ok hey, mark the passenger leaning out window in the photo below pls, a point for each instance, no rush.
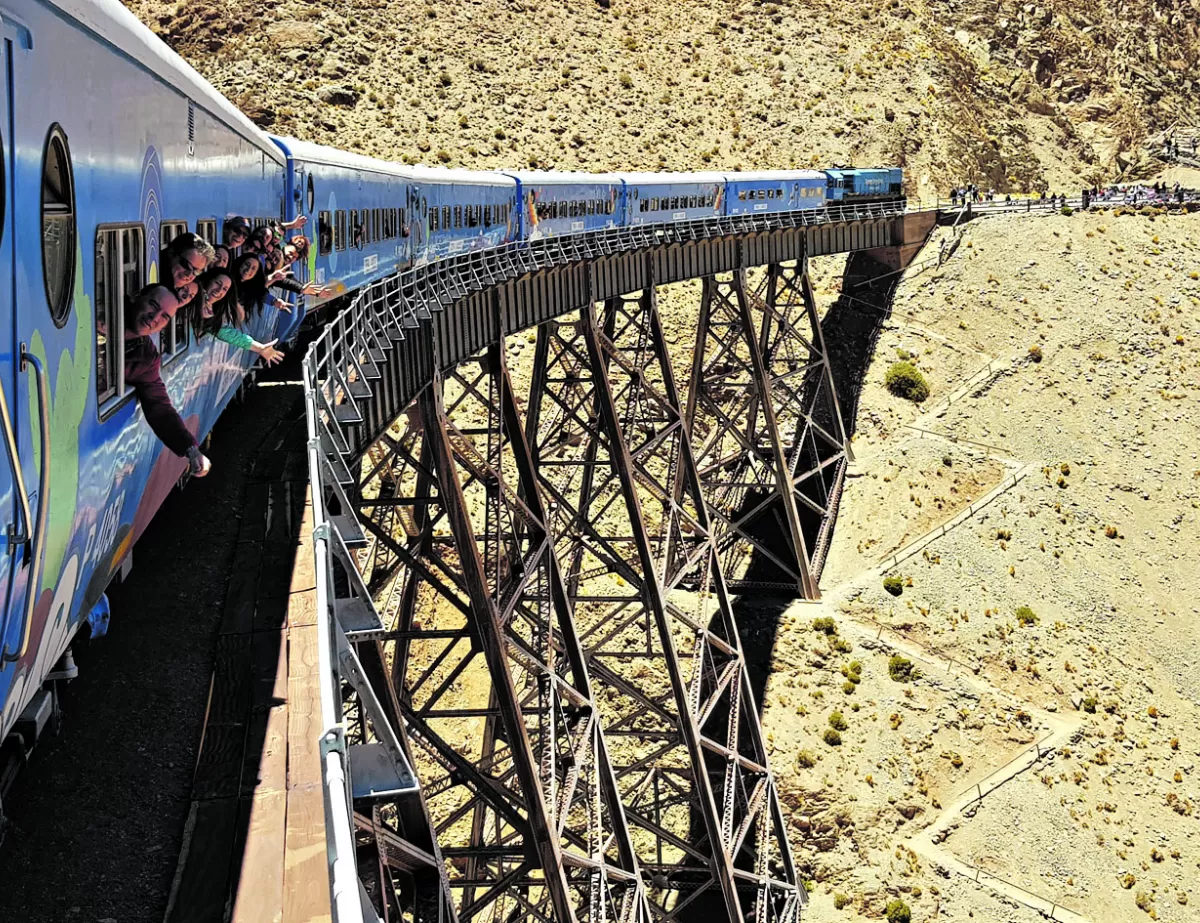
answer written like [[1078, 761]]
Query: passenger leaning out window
[[150, 311]]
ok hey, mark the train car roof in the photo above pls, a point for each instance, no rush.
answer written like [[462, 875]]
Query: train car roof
[[709, 176], [308, 152], [422, 173], [754, 176], [842, 171], [562, 178], [112, 23]]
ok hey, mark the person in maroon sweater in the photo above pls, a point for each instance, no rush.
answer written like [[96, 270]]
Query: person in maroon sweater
[[149, 313]]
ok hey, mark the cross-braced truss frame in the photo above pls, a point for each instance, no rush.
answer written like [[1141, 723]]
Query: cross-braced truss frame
[[559, 646], [763, 414]]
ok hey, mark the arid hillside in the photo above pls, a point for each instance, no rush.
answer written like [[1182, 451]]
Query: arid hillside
[[1023, 704], [1011, 94]]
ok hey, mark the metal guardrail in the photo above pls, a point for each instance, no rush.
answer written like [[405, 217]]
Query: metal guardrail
[[1045, 206], [335, 391]]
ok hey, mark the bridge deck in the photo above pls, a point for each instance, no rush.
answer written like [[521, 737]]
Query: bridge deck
[[254, 848]]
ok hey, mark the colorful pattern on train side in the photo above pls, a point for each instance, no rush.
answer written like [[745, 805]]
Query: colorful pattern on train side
[[107, 476]]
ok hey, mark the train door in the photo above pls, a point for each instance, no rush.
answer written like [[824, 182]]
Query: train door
[[10, 520], [39, 275]]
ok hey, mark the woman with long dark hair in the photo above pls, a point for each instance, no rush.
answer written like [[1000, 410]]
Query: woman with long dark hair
[[223, 314]]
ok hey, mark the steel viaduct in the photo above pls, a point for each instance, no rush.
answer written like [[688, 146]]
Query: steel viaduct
[[515, 684]]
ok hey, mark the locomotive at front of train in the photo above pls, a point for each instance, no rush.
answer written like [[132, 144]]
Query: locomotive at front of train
[[98, 174]]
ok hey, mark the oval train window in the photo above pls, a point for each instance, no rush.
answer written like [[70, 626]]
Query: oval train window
[[58, 225], [312, 194]]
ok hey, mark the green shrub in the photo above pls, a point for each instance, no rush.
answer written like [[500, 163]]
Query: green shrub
[[837, 721], [1089, 704], [905, 380], [825, 624], [894, 584], [832, 737], [842, 900], [1035, 353], [848, 687], [1068, 210], [1026, 616], [898, 912], [901, 669], [841, 645], [805, 759]]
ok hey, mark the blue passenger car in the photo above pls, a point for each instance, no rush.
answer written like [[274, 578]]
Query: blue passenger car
[[356, 208], [667, 197], [553, 204], [100, 169], [458, 211], [773, 191]]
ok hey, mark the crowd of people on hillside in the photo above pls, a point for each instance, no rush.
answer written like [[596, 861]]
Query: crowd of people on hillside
[[1129, 194], [217, 289]]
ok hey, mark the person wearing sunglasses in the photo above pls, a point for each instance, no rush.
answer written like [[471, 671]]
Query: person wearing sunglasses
[[185, 259]]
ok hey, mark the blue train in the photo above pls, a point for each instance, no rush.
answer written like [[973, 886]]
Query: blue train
[[87, 203]]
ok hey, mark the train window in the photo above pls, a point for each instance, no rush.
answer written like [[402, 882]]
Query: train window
[[433, 219], [377, 224], [207, 228], [358, 230], [58, 225], [446, 217], [169, 230], [174, 337], [119, 276], [487, 216], [458, 222], [311, 194], [339, 229], [324, 233]]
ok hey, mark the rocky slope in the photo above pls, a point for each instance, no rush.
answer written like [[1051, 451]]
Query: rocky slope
[[1080, 462], [1010, 94]]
